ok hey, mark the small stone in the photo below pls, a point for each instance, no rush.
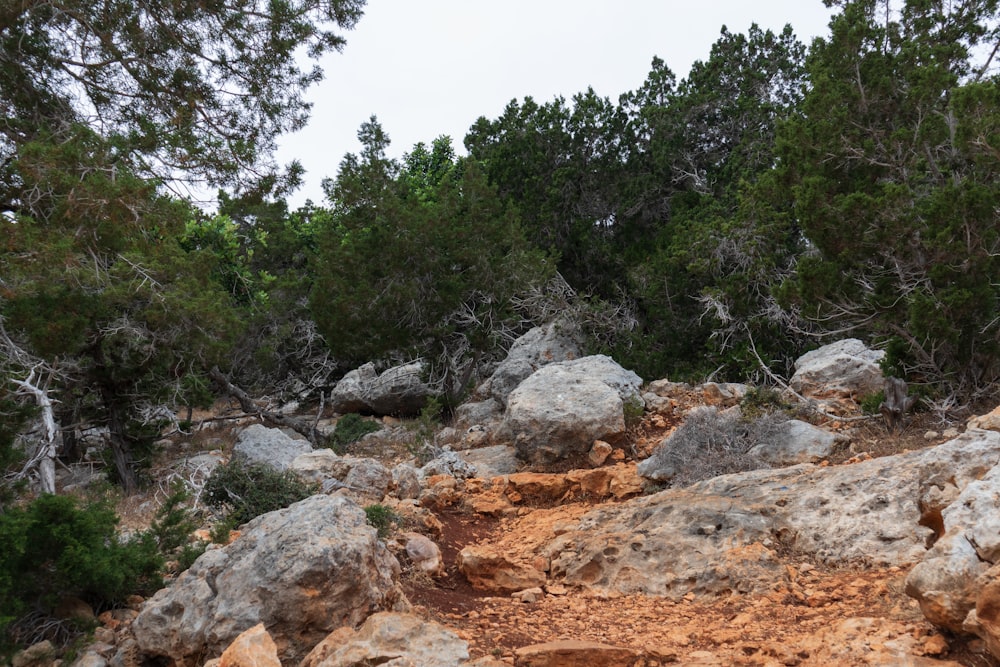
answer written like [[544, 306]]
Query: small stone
[[528, 595], [931, 435], [599, 453]]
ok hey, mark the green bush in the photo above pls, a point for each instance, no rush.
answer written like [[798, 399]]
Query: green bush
[[761, 401], [381, 518], [871, 404], [351, 428], [55, 548], [246, 490]]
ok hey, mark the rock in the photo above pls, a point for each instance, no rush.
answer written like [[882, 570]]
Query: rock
[[554, 342], [987, 422], [797, 442], [448, 463], [90, 659], [945, 582], [721, 535], [368, 480], [559, 411], [351, 393], [529, 595], [984, 619], [481, 413], [488, 569], [253, 648], [40, 654], [302, 571], [406, 479], [492, 461], [318, 466], [390, 639], [257, 444], [425, 555], [574, 653], [397, 391], [844, 368], [400, 390], [599, 453]]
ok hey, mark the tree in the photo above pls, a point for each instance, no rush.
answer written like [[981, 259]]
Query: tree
[[419, 259], [702, 253], [194, 90], [106, 108], [894, 165]]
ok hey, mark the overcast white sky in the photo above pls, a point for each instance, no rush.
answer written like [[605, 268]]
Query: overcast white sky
[[433, 67]]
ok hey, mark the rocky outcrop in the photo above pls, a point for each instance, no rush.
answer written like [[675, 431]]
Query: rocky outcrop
[[400, 390], [558, 412], [846, 368], [365, 479], [302, 572], [724, 534], [257, 444], [554, 342], [949, 580], [392, 639]]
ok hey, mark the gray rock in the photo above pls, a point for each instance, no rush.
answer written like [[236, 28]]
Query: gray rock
[[406, 479], [448, 463], [482, 413], [797, 442], [368, 479], [302, 571], [257, 444], [400, 390], [946, 582], [845, 368], [557, 413], [554, 342], [351, 393], [320, 465], [494, 461], [722, 534], [392, 639]]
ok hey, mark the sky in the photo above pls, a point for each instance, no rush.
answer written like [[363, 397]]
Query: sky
[[432, 67]]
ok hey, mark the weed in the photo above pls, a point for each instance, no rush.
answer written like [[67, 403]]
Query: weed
[[351, 428]]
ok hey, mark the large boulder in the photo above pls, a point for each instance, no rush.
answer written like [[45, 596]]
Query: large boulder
[[303, 572], [796, 442], [724, 534], [258, 444], [559, 411], [400, 390], [846, 368], [554, 342], [946, 582], [390, 638]]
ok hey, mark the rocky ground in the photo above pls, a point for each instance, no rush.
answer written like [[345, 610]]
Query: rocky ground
[[814, 613], [851, 615]]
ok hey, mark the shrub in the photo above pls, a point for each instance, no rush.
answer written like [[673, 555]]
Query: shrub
[[246, 490], [381, 518], [761, 401], [351, 428], [172, 529], [711, 443], [54, 548]]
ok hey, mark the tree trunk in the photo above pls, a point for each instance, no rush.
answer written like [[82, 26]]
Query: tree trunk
[[121, 452], [46, 456]]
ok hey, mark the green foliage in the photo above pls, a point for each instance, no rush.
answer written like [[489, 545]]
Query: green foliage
[[349, 429], [761, 401], [246, 490], [895, 182], [871, 403], [382, 518], [54, 548], [423, 428], [173, 526], [419, 259]]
